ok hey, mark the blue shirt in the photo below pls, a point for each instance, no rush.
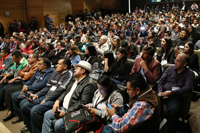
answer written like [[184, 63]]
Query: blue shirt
[[50, 19]]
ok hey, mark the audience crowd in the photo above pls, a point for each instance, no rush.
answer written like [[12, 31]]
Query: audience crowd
[[55, 73]]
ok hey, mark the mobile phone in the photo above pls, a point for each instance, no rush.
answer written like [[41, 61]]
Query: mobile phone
[[27, 95], [108, 105], [57, 112]]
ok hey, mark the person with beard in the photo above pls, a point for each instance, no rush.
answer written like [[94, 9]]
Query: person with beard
[[147, 65]]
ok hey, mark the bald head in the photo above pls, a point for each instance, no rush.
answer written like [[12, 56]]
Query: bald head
[[182, 60]]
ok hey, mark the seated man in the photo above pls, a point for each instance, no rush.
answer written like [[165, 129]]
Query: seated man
[[141, 115], [6, 60], [37, 82], [147, 65], [34, 107], [78, 93], [59, 53], [103, 45], [25, 74], [131, 48], [175, 82], [19, 63]]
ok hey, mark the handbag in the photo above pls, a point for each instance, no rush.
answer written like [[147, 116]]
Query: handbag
[[80, 121]]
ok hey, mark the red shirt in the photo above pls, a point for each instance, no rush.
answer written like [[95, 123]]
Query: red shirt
[[2, 60], [26, 49]]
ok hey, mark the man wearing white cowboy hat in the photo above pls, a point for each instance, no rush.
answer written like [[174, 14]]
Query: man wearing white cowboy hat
[[78, 93]]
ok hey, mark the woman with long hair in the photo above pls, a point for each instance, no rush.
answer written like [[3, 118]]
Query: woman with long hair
[[122, 67], [49, 53], [166, 53], [90, 54], [116, 44], [135, 39], [193, 33]]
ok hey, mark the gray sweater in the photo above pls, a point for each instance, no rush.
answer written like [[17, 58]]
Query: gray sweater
[[115, 98]]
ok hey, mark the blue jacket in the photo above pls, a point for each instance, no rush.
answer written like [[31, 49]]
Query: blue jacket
[[39, 79]]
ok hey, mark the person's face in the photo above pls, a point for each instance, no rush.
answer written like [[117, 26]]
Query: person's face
[[195, 22], [41, 51], [119, 55], [7, 41], [16, 60], [115, 42], [88, 33], [179, 62], [183, 34], [59, 46], [190, 29], [28, 43], [150, 34], [41, 66], [78, 71], [1, 39], [60, 67], [53, 36], [134, 36], [132, 92], [187, 48], [163, 43], [102, 89], [47, 47], [31, 60], [101, 41], [86, 51], [111, 33], [136, 28], [166, 35], [81, 33], [3, 54], [176, 29], [70, 51], [145, 55], [99, 34]]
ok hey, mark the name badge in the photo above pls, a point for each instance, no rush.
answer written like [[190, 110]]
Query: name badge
[[53, 88], [175, 88]]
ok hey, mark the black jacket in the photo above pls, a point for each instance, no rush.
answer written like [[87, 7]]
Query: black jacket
[[182, 42], [133, 49], [57, 56], [194, 64], [90, 59], [122, 70], [170, 56], [83, 94], [79, 45]]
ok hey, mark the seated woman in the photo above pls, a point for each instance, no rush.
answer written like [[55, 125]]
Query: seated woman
[[49, 53], [189, 50], [115, 46], [107, 92], [122, 67], [34, 48], [90, 54], [150, 38], [134, 38], [166, 53], [86, 41], [74, 56]]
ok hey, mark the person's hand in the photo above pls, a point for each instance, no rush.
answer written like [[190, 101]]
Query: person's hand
[[143, 64], [2, 75], [91, 110], [106, 60], [117, 107], [166, 94], [24, 89], [180, 51], [95, 45], [3, 80], [11, 81], [110, 111], [66, 53], [33, 97], [42, 102], [62, 113], [55, 107]]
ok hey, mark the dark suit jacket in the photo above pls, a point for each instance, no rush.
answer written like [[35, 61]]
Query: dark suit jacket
[[151, 74]]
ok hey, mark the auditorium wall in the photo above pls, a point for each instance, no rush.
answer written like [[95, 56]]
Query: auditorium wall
[[56, 9]]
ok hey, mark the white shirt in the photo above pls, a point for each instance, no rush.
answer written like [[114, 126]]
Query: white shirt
[[103, 48], [68, 96]]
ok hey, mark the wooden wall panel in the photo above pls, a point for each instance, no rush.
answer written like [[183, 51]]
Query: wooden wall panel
[[77, 5], [16, 9], [57, 9]]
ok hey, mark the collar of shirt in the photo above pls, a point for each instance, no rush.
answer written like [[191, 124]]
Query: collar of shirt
[[64, 72]]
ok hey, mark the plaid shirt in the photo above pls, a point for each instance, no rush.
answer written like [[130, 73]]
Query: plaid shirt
[[140, 112]]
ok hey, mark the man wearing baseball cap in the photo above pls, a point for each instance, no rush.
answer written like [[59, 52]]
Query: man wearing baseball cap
[[78, 93]]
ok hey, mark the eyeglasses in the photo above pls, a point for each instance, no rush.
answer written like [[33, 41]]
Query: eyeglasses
[[175, 60]]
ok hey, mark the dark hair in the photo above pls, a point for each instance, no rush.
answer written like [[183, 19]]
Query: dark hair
[[124, 43], [62, 43], [67, 62], [50, 46], [78, 38], [191, 45], [150, 50], [6, 50], [46, 62], [105, 81], [92, 50], [34, 55], [168, 32], [17, 54], [169, 43], [108, 54], [186, 30], [137, 80], [123, 51], [134, 33], [41, 48], [68, 37], [111, 29], [60, 36], [153, 45]]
